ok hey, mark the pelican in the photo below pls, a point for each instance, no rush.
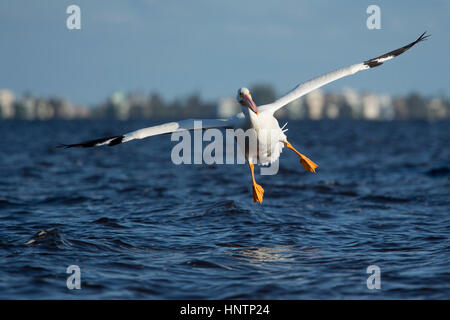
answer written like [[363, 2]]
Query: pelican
[[260, 119]]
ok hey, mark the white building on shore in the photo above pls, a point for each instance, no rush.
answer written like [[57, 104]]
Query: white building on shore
[[227, 107], [316, 103], [7, 100]]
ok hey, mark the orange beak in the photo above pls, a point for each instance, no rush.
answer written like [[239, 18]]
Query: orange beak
[[250, 103]]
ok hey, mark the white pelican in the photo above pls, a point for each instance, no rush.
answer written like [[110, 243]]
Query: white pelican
[[260, 119]]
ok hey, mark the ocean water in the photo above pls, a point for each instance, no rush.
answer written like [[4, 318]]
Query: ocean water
[[140, 227]]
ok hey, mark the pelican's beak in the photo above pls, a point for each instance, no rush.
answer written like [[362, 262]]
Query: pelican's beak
[[250, 103]]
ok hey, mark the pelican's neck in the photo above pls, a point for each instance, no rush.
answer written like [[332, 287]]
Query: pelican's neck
[[250, 115], [253, 117]]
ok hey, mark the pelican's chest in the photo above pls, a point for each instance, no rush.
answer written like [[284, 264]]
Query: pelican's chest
[[264, 122], [270, 138]]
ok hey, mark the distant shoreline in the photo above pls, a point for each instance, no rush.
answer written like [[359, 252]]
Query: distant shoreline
[[348, 104]]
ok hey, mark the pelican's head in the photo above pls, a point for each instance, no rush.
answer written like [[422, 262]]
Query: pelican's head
[[245, 99]]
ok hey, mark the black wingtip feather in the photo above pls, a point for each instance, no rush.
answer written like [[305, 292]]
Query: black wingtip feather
[[93, 143], [372, 63], [116, 141], [375, 61]]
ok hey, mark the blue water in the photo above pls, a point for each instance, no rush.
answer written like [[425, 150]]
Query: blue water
[[141, 227]]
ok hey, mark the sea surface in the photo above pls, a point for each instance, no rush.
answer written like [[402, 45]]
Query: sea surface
[[140, 227]]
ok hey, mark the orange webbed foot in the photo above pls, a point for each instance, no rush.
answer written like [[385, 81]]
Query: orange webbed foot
[[308, 164], [258, 193], [304, 160]]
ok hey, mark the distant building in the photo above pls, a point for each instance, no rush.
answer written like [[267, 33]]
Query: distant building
[[387, 111], [119, 105], [436, 109], [26, 109], [371, 107], [297, 109], [400, 108], [333, 103], [227, 107], [316, 102], [44, 110], [7, 99], [354, 102]]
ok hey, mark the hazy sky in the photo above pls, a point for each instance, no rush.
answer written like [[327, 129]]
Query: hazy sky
[[214, 47]]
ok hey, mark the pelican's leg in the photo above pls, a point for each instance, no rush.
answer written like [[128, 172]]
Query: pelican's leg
[[258, 191], [305, 161]]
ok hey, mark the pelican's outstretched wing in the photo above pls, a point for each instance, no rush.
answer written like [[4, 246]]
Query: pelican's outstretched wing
[[318, 82], [160, 129]]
